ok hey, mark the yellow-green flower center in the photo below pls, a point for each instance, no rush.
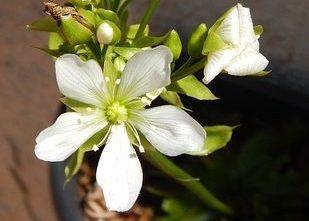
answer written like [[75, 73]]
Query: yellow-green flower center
[[116, 113]]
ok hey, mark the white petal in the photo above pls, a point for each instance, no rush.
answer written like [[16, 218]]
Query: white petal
[[119, 171], [66, 135], [216, 63], [146, 71], [246, 29], [229, 28], [171, 130], [79, 80], [248, 62]]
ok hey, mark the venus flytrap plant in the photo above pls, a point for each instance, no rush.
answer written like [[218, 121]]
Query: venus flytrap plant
[[110, 72]]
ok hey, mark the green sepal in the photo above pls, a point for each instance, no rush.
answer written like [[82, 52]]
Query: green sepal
[[104, 14], [80, 3], [88, 15], [53, 52], [217, 137], [54, 41], [197, 40], [76, 159], [44, 24], [119, 63], [132, 30], [192, 87], [213, 43], [260, 74], [126, 52], [77, 106], [148, 41], [173, 42], [220, 20], [75, 32], [109, 69], [258, 30], [173, 98]]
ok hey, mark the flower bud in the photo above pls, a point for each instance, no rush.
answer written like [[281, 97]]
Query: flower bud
[[196, 41], [174, 43], [108, 33], [74, 31]]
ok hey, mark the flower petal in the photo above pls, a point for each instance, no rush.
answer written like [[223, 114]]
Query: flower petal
[[66, 135], [246, 29], [119, 171], [146, 71], [228, 30], [248, 62], [171, 130], [81, 81], [216, 63]]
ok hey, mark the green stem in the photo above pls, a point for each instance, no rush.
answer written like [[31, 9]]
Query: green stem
[[96, 51], [153, 5], [123, 7], [186, 70], [183, 178]]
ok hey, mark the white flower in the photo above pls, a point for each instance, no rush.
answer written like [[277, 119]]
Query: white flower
[[242, 57], [118, 108]]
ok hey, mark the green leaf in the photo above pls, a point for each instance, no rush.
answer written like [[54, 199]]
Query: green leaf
[[258, 30], [76, 105], [126, 52], [132, 30], [173, 98], [180, 209], [148, 41], [77, 158], [173, 207], [192, 87], [213, 43], [44, 24], [217, 137]]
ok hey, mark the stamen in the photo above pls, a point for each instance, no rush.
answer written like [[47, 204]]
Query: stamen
[[107, 79], [95, 148], [117, 81], [145, 100], [141, 148]]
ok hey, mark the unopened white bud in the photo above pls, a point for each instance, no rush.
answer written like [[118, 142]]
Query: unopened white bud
[[108, 33]]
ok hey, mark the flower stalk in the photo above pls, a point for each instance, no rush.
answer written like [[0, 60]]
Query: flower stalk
[[187, 69], [152, 7], [183, 178]]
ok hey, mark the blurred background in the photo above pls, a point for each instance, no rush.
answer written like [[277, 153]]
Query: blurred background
[[267, 157]]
